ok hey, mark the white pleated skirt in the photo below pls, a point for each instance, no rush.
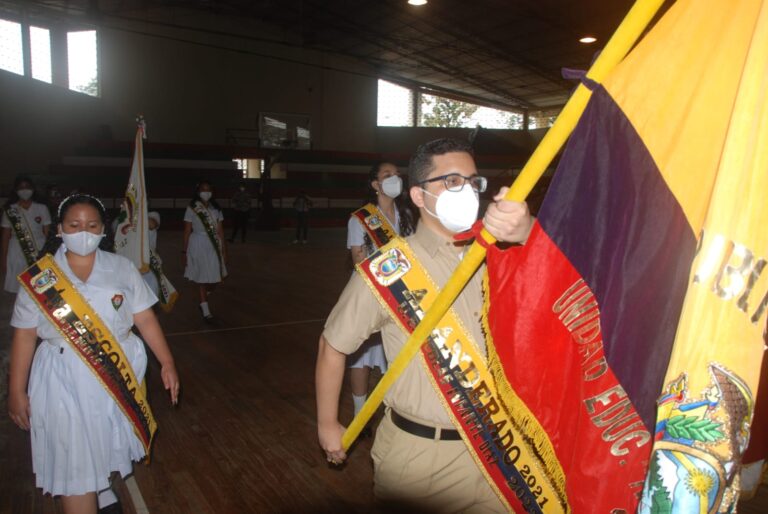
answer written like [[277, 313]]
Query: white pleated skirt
[[369, 355], [203, 265], [79, 434]]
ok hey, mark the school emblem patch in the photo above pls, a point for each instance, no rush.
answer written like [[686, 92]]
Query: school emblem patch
[[38, 219], [390, 266], [117, 301], [373, 221], [44, 280]]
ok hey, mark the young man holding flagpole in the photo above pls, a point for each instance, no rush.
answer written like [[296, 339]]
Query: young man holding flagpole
[[419, 457]]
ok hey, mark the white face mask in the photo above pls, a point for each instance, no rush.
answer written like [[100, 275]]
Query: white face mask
[[82, 243], [392, 186], [205, 195], [457, 211], [24, 194]]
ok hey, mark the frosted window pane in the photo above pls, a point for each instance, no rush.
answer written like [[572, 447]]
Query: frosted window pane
[[83, 62], [11, 53], [40, 50], [395, 105]]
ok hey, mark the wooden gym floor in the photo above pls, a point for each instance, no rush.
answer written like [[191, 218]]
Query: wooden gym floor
[[243, 439]]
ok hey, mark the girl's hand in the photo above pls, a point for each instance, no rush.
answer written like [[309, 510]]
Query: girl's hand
[[18, 409], [171, 381]]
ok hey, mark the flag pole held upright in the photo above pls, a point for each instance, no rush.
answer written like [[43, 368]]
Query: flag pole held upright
[[618, 46]]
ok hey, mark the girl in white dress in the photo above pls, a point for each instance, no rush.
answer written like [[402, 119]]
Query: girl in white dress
[[31, 220], [79, 434], [384, 190], [204, 252]]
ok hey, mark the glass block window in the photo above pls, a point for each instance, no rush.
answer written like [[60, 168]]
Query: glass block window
[[395, 107]]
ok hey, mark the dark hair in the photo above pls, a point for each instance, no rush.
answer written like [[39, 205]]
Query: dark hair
[[422, 164], [407, 224], [13, 197], [54, 241], [196, 195], [373, 175]]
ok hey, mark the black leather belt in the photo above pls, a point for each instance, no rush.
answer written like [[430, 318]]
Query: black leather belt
[[420, 430]]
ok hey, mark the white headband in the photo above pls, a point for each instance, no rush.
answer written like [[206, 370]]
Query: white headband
[[58, 212]]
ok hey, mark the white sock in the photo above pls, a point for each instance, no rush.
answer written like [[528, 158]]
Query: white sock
[[106, 497], [206, 310], [359, 401]]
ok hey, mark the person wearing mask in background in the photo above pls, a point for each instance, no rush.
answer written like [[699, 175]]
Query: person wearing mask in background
[[85, 415], [25, 226], [241, 209], [204, 252], [385, 216], [302, 204], [53, 198]]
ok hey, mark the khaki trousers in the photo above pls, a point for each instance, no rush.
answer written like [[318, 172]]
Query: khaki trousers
[[424, 475]]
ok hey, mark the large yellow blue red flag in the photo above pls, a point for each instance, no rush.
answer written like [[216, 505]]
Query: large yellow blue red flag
[[626, 335]]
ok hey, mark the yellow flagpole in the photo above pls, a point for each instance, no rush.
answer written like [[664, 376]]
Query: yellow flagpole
[[618, 46]]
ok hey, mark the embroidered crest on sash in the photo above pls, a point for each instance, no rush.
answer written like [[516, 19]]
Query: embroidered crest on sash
[[390, 266], [44, 280], [373, 221]]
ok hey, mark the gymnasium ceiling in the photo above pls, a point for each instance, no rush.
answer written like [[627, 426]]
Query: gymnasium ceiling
[[504, 53]]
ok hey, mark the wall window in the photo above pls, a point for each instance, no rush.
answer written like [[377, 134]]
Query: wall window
[[242, 166], [542, 119], [250, 168], [438, 111], [83, 62], [37, 62], [395, 105], [11, 53], [40, 50]]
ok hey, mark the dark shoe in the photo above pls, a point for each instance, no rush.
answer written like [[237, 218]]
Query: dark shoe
[[112, 508]]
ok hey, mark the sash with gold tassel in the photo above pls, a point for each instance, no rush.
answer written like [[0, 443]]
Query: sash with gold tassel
[[376, 224], [460, 375], [168, 294], [23, 234], [92, 341]]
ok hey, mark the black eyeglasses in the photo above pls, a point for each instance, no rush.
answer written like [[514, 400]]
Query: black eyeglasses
[[454, 182]]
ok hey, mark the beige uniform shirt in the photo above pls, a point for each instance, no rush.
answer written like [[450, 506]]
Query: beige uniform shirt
[[358, 314]]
